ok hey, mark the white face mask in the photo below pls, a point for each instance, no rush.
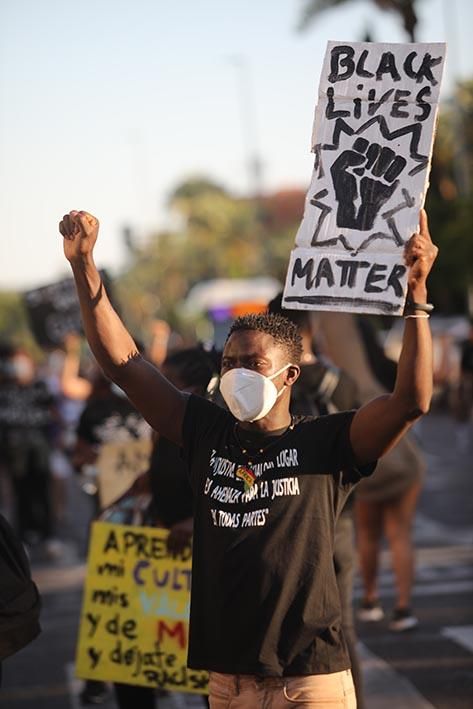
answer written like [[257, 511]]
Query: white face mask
[[249, 395]]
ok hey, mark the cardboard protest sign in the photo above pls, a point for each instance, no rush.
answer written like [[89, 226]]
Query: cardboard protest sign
[[54, 311], [372, 138], [134, 618], [118, 465]]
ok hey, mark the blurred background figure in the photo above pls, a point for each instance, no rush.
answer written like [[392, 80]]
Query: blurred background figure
[[465, 391], [61, 373], [162, 497], [107, 417], [19, 598], [385, 506], [28, 415]]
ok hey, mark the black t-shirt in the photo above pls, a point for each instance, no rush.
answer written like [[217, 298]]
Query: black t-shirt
[[264, 596], [26, 416], [172, 494], [23, 407], [111, 419]]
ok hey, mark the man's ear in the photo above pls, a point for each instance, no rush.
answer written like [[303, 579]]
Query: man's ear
[[293, 372]]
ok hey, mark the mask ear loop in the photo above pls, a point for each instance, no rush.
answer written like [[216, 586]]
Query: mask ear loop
[[276, 374], [280, 370]]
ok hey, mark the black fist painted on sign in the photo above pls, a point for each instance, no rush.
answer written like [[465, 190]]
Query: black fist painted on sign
[[349, 167]]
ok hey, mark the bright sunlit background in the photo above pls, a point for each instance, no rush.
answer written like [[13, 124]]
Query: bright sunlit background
[[108, 105]]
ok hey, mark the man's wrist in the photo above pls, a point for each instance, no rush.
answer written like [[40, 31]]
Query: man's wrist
[[83, 262], [416, 304], [417, 294]]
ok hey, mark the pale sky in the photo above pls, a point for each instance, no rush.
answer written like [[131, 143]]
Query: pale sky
[[106, 105]]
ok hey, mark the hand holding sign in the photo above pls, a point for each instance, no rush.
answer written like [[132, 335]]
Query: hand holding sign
[[419, 255], [366, 161], [80, 231]]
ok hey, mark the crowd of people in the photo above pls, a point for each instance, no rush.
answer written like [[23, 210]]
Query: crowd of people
[[276, 387]]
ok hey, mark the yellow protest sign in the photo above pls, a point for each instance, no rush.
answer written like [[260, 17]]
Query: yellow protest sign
[[135, 612], [118, 465]]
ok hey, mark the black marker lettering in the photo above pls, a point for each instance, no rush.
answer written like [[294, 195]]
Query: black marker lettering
[[306, 271], [111, 542], [398, 271], [341, 57], [399, 101], [349, 271], [360, 67], [373, 276], [387, 65], [373, 107], [94, 655], [94, 620], [426, 107], [330, 111], [425, 69], [324, 270]]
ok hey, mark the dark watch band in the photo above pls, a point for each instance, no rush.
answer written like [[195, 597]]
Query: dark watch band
[[424, 307]]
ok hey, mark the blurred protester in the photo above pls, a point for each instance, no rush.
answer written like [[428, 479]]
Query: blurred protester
[[322, 389], [465, 391], [61, 372], [466, 364], [108, 416], [383, 368], [386, 507], [385, 504], [160, 341], [162, 497], [27, 416], [19, 597]]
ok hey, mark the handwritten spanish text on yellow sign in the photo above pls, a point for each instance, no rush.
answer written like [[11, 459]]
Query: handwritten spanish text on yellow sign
[[134, 620]]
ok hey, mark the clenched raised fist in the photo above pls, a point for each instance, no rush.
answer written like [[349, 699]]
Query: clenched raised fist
[[80, 231]]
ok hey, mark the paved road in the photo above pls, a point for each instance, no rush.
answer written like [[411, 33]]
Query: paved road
[[429, 668]]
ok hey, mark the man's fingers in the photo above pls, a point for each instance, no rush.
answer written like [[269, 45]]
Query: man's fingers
[[69, 228], [75, 222], [87, 221], [424, 224]]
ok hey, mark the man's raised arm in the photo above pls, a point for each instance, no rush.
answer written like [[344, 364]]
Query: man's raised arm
[[378, 425], [161, 404]]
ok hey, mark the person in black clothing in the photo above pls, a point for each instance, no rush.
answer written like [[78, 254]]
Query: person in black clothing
[[166, 486], [192, 370], [466, 385], [108, 416], [268, 488], [27, 413], [20, 601]]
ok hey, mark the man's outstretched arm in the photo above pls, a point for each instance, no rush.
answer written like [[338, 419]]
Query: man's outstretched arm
[[161, 404], [378, 425]]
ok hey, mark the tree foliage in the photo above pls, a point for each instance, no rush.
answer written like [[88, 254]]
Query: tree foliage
[[450, 201], [14, 325], [220, 236], [404, 8]]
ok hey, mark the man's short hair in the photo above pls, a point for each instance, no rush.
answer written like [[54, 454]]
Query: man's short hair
[[283, 331]]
